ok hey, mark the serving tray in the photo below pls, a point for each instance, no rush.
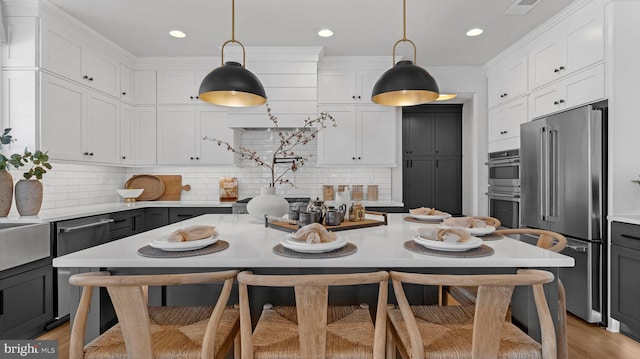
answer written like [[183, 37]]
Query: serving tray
[[153, 186], [287, 225]]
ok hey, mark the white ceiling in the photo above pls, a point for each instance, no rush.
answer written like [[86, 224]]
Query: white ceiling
[[361, 27]]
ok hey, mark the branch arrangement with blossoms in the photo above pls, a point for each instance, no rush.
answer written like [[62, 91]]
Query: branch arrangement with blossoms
[[284, 153]]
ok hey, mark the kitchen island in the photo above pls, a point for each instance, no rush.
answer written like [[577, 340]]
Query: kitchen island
[[251, 247]]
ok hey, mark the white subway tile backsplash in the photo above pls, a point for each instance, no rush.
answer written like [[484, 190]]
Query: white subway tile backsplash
[[68, 185]]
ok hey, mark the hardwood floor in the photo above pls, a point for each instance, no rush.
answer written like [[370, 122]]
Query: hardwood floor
[[586, 341]]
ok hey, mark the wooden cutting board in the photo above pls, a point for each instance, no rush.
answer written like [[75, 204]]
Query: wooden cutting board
[[172, 187]]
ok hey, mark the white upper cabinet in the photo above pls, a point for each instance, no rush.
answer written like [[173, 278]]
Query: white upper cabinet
[[568, 47], [508, 80], [504, 125], [137, 135], [365, 135], [127, 85], [180, 135], [581, 88], [77, 123], [68, 56], [346, 86], [179, 87], [145, 87], [20, 51]]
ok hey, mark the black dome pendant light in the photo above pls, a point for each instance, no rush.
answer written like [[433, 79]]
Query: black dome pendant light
[[231, 84], [405, 84]]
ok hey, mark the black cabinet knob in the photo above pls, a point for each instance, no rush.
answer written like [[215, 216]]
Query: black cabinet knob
[[124, 93], [561, 68], [359, 158], [191, 158], [353, 158], [561, 101], [90, 78], [359, 97], [90, 153], [86, 153], [197, 158], [124, 157], [353, 97], [556, 102], [197, 97], [191, 97], [85, 77], [556, 70]]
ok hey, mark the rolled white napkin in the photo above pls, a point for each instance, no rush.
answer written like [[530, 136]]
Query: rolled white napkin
[[424, 211], [452, 235], [192, 233], [314, 233], [465, 222]]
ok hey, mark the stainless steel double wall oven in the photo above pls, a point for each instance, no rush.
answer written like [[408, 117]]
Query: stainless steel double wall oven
[[504, 187]]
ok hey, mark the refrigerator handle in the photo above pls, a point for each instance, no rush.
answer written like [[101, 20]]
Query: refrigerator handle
[[543, 173], [553, 174]]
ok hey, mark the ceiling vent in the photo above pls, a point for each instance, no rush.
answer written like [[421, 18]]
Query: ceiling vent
[[521, 7]]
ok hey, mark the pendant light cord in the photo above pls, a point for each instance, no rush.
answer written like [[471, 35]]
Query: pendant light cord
[[233, 34], [404, 36]]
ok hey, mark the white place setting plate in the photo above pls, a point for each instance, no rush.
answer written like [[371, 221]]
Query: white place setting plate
[[430, 217], [304, 247], [472, 242], [476, 231], [164, 244]]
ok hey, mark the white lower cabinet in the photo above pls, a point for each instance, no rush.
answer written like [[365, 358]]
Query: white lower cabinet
[[582, 88], [365, 135], [77, 123], [180, 135], [504, 125]]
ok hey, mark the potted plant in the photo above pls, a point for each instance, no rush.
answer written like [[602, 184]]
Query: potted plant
[[268, 202], [29, 189]]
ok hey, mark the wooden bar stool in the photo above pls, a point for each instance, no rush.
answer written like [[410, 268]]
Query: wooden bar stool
[[552, 241], [155, 332], [480, 331], [313, 329]]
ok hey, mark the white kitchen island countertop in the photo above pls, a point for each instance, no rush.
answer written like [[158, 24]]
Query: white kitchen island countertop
[[251, 245]]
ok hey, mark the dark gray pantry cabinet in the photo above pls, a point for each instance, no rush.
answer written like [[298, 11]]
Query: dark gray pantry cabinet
[[625, 281], [432, 157]]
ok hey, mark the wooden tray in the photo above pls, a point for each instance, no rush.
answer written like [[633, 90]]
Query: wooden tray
[[172, 187], [287, 225], [153, 186]]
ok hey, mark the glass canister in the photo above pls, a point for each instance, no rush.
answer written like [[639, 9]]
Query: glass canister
[[359, 212]]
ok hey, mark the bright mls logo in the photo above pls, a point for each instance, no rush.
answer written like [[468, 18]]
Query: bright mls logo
[[32, 349]]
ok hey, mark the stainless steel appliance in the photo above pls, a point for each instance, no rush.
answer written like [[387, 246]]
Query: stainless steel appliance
[[504, 187], [72, 236], [563, 190], [504, 169]]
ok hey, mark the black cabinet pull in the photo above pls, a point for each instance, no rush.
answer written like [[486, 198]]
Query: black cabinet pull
[[556, 70], [411, 163], [90, 153], [86, 153], [119, 220], [561, 67], [1, 302], [90, 78], [85, 77], [556, 102], [124, 93], [630, 236], [561, 101]]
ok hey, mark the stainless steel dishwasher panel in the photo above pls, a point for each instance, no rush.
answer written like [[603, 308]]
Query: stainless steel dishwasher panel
[[72, 236]]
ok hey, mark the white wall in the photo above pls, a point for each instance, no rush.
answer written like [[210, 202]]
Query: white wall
[[623, 58]]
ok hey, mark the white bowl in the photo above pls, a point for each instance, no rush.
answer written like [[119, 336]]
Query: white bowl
[[130, 195]]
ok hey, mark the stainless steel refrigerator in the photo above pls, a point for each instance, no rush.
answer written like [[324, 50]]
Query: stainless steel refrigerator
[[563, 184]]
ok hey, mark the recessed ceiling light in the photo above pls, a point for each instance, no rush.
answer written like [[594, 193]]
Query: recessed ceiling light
[[474, 32], [177, 33], [325, 33]]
